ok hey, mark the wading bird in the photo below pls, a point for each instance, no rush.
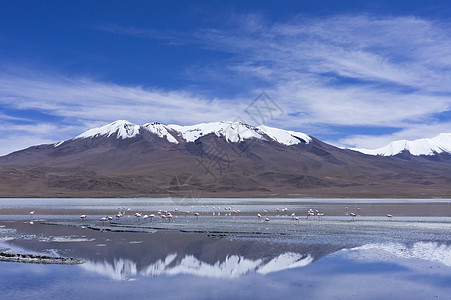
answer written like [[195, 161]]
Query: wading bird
[[320, 216]]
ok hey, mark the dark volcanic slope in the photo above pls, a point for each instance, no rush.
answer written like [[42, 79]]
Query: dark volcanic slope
[[147, 165]]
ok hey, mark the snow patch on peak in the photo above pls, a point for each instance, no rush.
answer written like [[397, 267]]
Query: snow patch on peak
[[438, 144], [285, 137], [161, 131], [233, 131], [123, 129]]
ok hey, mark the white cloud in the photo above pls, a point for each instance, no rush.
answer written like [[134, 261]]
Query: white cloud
[[395, 71], [410, 132]]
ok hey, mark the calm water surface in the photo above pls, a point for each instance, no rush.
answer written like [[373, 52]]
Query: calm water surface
[[187, 265]]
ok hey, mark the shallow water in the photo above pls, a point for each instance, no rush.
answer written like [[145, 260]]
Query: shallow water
[[223, 257]]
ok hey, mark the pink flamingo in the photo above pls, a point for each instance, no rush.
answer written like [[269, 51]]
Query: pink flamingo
[[389, 216], [266, 220], [103, 219]]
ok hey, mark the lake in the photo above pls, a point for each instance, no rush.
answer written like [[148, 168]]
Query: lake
[[223, 254]]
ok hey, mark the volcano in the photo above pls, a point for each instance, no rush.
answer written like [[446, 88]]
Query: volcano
[[220, 159]]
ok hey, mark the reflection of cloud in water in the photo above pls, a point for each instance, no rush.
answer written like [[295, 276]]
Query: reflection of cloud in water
[[429, 251], [233, 266]]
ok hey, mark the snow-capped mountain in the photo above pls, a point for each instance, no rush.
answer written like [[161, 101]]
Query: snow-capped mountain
[[233, 132], [222, 159], [438, 144]]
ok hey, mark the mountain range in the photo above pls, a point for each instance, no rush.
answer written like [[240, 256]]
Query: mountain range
[[223, 159]]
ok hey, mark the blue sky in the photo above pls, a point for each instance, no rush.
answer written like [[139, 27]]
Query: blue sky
[[352, 73]]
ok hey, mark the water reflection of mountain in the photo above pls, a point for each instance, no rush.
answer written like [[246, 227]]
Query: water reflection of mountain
[[172, 253], [233, 266], [238, 265]]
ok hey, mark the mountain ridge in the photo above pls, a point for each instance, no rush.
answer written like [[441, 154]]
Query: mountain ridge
[[425, 146], [220, 159], [232, 131]]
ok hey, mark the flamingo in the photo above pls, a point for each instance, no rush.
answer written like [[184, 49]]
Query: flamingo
[[310, 214], [266, 220], [320, 216], [83, 217], [196, 214], [353, 215], [31, 214], [103, 219], [151, 216], [259, 216], [389, 216], [296, 219]]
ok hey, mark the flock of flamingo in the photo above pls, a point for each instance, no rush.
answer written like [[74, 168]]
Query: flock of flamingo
[[228, 211], [216, 211]]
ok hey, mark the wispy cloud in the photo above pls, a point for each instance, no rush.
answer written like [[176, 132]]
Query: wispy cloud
[[348, 70], [88, 100]]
